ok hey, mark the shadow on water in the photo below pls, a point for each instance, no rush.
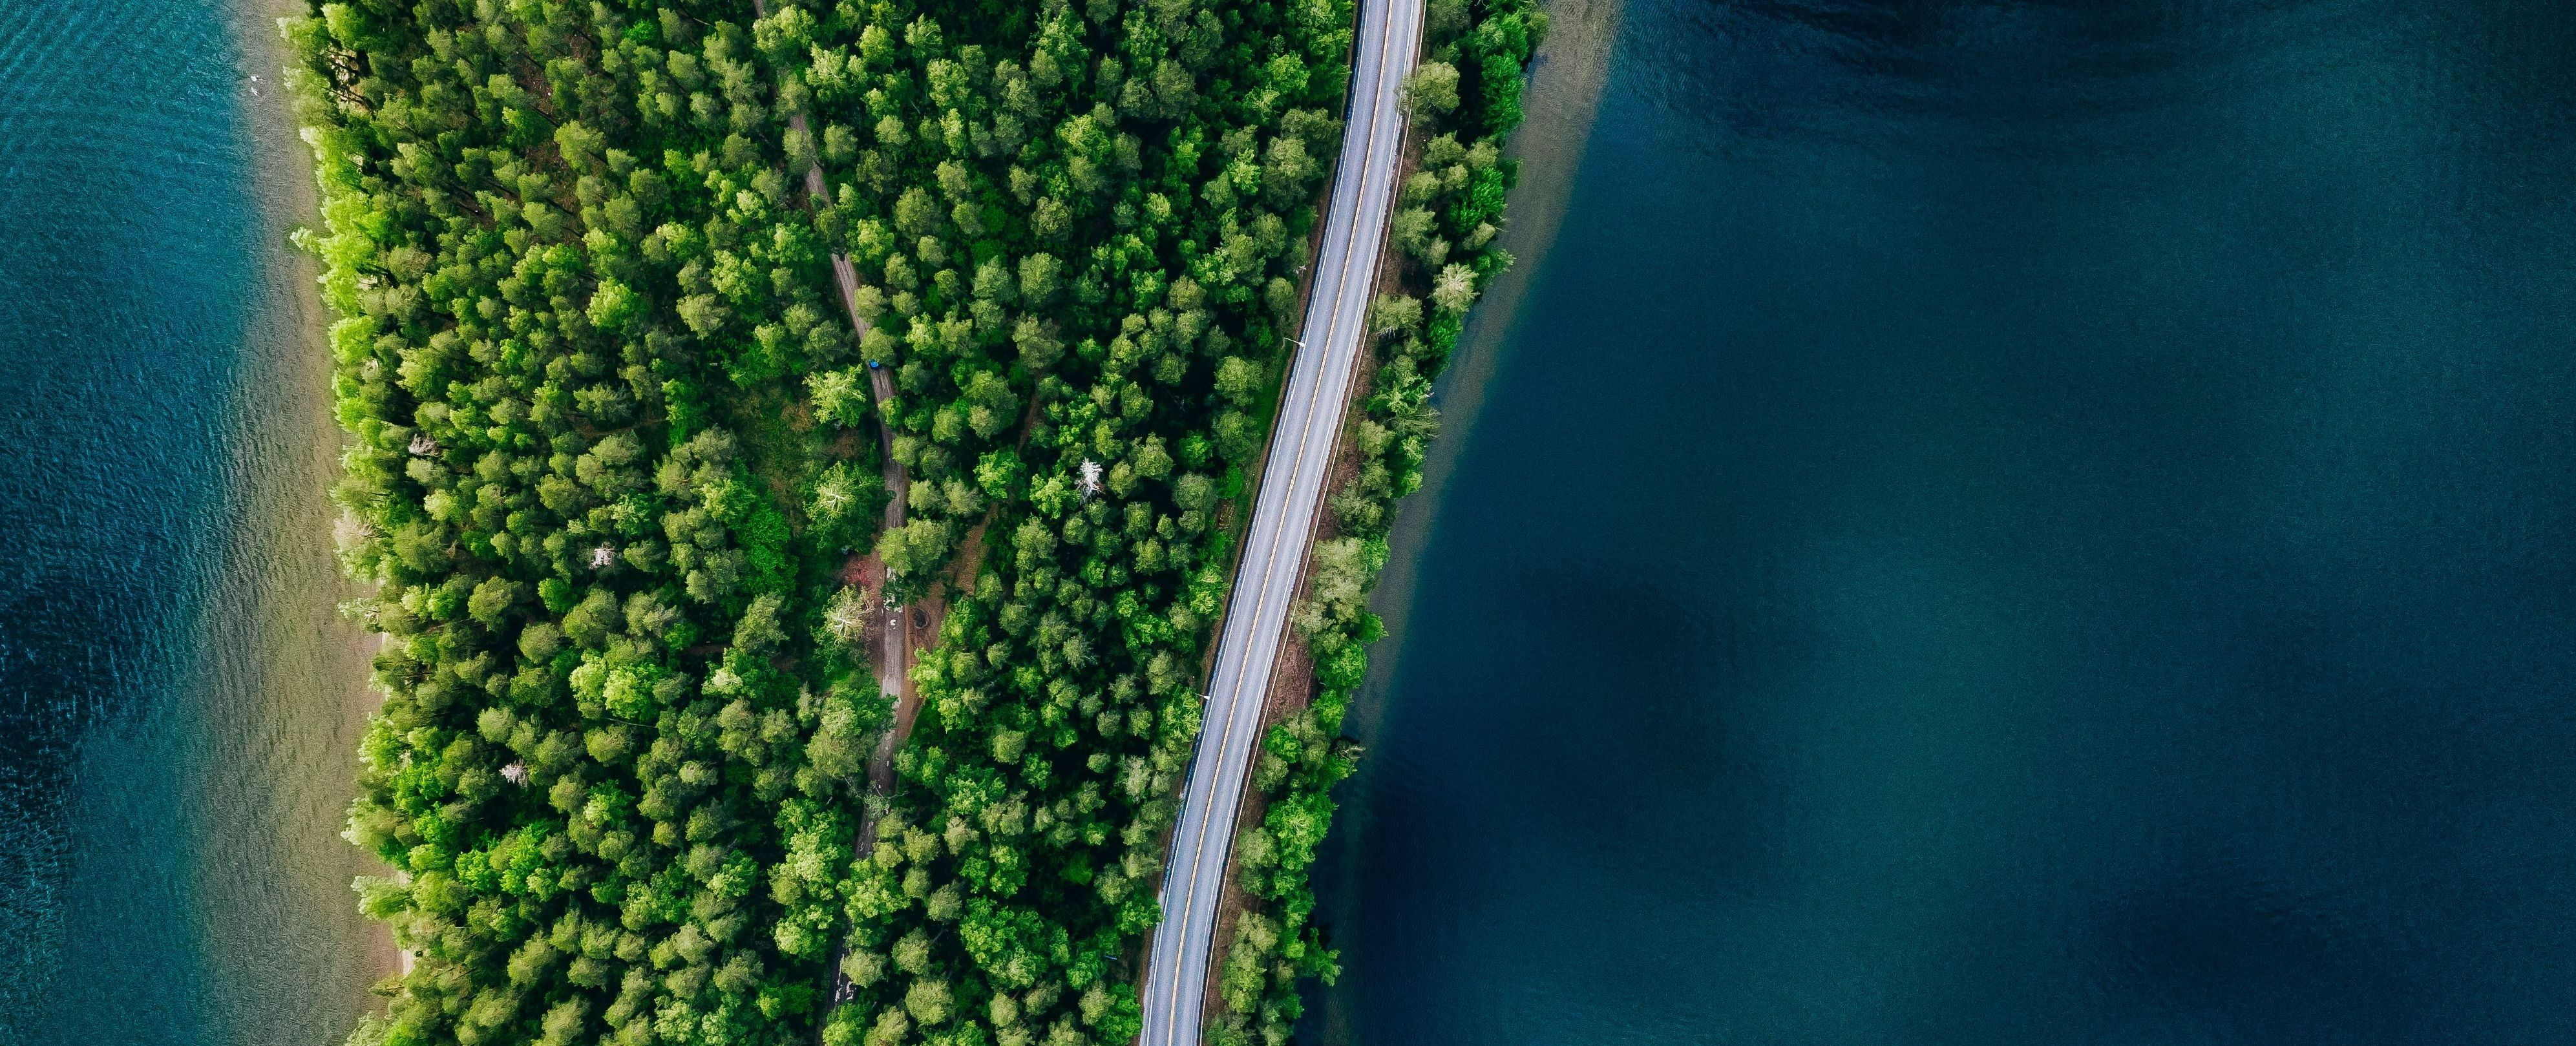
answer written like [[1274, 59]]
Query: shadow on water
[[2004, 522], [178, 705]]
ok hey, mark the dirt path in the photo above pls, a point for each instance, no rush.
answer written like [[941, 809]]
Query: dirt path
[[905, 627]]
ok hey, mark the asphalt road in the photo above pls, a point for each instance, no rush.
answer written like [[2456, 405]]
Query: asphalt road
[[1283, 521]]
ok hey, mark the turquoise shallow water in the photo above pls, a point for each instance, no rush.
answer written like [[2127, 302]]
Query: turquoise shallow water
[[2006, 522], [177, 708]]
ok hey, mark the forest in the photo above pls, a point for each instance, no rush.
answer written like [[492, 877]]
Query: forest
[[614, 477]]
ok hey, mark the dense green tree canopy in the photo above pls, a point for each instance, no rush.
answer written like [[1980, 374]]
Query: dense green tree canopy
[[614, 448]]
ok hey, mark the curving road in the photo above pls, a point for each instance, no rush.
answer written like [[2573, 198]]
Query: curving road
[[1300, 459]]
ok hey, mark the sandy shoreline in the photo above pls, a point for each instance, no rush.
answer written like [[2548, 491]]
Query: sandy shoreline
[[1562, 102], [295, 321]]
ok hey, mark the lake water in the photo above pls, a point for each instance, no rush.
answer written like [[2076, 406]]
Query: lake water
[[2003, 523], [178, 703]]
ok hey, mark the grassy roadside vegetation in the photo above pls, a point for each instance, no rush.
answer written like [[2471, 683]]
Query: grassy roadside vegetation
[[1465, 98], [599, 387]]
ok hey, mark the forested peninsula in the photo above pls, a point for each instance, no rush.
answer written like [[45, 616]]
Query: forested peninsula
[[617, 475]]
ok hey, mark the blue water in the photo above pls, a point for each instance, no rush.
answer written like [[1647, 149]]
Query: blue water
[[176, 708], [1999, 523]]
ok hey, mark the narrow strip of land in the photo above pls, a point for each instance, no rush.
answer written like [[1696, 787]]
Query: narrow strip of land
[[1284, 511]]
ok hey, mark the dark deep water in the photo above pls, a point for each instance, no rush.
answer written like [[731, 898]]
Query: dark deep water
[[178, 708], [2006, 523]]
